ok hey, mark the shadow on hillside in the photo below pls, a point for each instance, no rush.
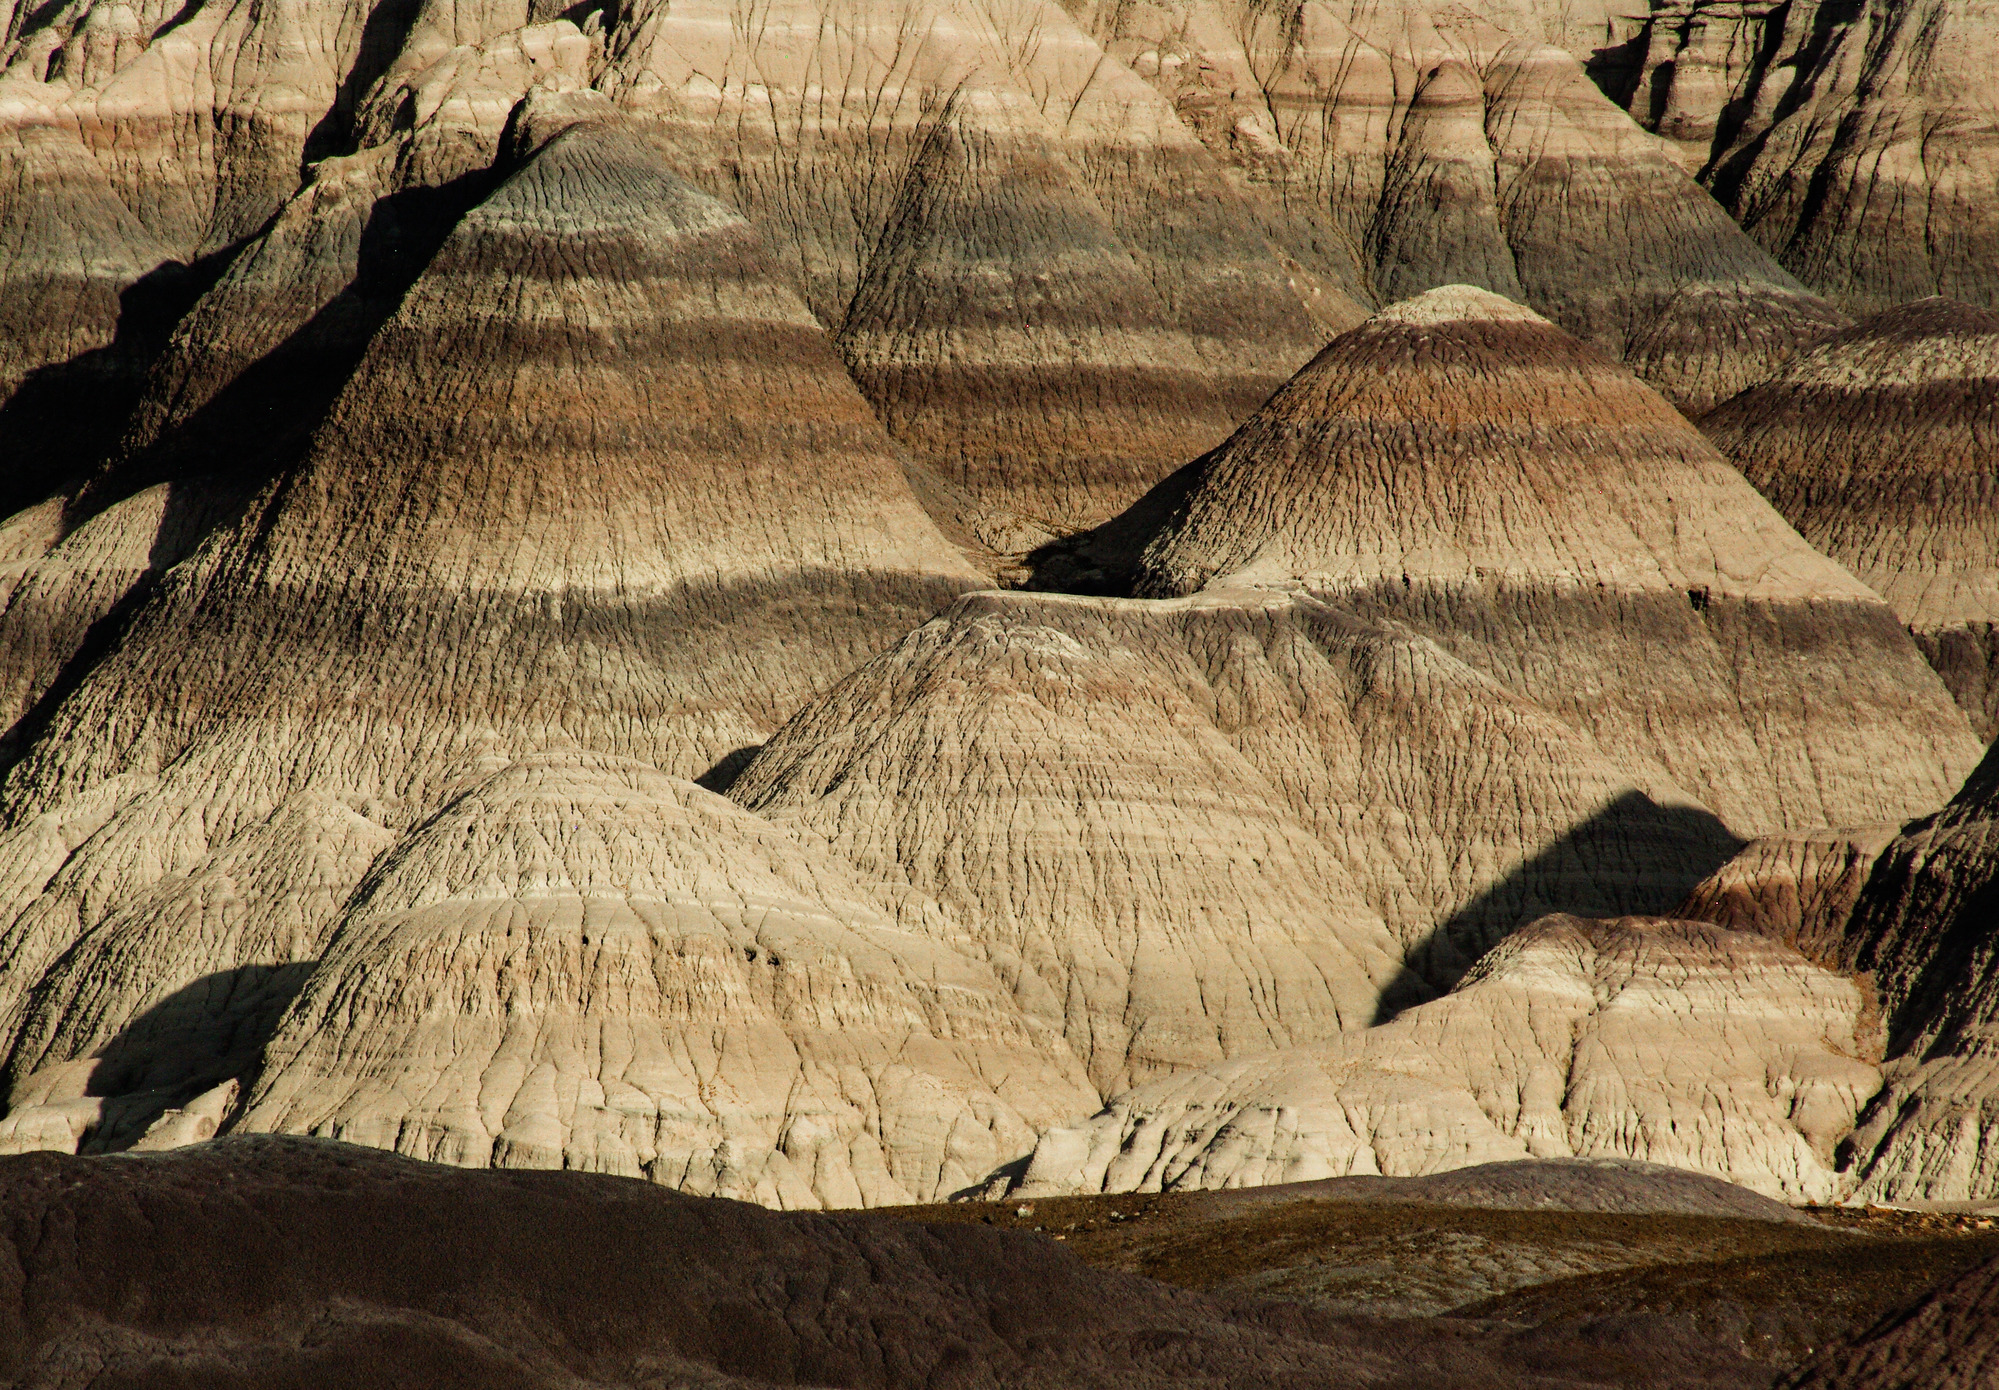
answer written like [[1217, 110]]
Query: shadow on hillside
[[197, 1038], [1631, 857]]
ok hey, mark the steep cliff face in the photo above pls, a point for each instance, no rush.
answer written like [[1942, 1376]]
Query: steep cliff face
[[1459, 464], [600, 482], [1858, 143], [1674, 1042], [1881, 445]]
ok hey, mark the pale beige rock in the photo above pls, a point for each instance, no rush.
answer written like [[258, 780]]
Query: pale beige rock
[[583, 963], [1178, 828], [1672, 1042]]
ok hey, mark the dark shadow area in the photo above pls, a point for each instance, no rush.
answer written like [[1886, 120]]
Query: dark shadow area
[[1617, 68], [197, 1038], [1103, 562], [382, 38], [67, 417], [1633, 857], [262, 422], [728, 768]]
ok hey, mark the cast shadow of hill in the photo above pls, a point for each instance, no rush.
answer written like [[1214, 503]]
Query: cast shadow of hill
[[200, 1036], [1632, 856]]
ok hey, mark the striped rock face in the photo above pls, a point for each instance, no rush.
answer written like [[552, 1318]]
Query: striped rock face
[[1858, 145], [600, 483], [1881, 445], [1461, 465], [585, 964], [1035, 272], [1441, 147], [1188, 830], [1674, 1042]]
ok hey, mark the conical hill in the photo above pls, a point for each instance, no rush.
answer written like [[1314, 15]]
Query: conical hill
[[601, 484], [1459, 464]]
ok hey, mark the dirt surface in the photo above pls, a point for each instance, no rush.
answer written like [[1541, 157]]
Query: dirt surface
[[268, 1262], [1771, 1292]]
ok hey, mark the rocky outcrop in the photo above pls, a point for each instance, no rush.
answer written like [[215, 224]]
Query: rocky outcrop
[[1177, 829], [586, 964], [1431, 148], [1673, 1042], [1459, 464], [1856, 143], [599, 483], [1881, 445]]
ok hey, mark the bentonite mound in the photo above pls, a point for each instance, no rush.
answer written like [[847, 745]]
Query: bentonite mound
[[1461, 465], [1194, 829], [1672, 1042], [1947, 1340], [600, 483], [587, 964], [260, 1262], [1881, 445]]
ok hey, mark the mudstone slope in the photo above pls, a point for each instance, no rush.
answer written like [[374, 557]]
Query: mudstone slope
[[1881, 444]]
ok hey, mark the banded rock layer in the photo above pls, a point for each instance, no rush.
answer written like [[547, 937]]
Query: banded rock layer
[[1434, 148], [1459, 464], [1881, 445], [586, 964], [1192, 829], [1666, 1041], [599, 483], [1860, 144]]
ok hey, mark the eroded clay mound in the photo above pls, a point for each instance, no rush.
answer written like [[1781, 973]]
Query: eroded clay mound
[[1947, 1340], [1459, 464], [1664, 1041], [1881, 445], [600, 482], [1189, 830], [587, 964], [1857, 145], [1431, 144]]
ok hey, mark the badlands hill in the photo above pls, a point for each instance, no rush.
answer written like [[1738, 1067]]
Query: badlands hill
[[1055, 255], [1665, 1041], [1857, 144], [599, 489], [1880, 444], [1460, 465]]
